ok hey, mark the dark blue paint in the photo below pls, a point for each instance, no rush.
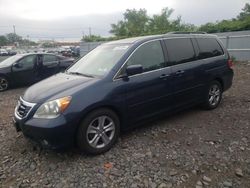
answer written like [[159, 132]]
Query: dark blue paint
[[134, 99]]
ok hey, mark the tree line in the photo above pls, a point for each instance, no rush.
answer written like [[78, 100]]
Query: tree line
[[139, 23], [12, 39]]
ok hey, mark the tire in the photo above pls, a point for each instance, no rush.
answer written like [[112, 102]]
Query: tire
[[98, 131], [213, 96], [4, 83]]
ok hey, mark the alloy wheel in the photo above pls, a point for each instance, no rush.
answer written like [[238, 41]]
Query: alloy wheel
[[3, 84], [100, 132], [214, 95]]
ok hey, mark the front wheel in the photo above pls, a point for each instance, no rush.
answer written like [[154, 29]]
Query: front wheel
[[4, 83], [98, 132], [214, 95]]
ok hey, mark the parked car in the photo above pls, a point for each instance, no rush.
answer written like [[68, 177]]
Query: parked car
[[23, 69], [11, 52], [119, 85], [3, 52]]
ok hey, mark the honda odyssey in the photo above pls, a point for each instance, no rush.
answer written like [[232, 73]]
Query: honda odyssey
[[121, 84]]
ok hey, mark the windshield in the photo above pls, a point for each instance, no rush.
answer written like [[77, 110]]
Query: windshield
[[9, 61], [99, 61]]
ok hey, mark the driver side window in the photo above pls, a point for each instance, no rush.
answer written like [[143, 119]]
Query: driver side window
[[27, 62], [149, 55]]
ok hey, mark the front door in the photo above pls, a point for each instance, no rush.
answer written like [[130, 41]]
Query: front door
[[23, 72], [148, 93]]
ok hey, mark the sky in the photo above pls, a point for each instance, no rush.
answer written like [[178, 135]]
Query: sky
[[66, 20]]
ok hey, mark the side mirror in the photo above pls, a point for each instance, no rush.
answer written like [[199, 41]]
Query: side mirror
[[134, 69], [17, 65]]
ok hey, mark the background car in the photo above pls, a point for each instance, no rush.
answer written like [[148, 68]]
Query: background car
[[3, 52], [23, 69]]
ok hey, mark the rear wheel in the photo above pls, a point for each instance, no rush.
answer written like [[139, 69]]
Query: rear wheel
[[4, 83], [98, 132], [214, 95]]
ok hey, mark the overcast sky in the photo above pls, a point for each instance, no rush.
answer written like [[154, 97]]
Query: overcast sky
[[69, 19]]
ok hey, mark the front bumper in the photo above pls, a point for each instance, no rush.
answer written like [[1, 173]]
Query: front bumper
[[49, 133]]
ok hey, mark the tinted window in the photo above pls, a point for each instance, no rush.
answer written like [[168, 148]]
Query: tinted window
[[180, 50], [149, 55], [49, 58], [28, 61], [209, 47]]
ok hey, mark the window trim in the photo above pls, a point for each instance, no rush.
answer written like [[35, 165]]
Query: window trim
[[223, 50], [35, 59], [116, 76], [195, 55], [56, 58]]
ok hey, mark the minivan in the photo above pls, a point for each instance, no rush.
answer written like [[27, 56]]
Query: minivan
[[121, 84]]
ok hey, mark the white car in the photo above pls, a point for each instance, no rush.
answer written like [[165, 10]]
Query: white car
[[3, 52]]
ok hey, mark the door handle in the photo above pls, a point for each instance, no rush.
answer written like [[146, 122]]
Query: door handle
[[179, 72], [164, 76]]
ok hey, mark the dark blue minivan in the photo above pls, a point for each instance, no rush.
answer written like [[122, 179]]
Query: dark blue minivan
[[120, 84]]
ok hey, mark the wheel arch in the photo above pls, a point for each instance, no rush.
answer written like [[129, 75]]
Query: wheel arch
[[220, 80], [93, 108]]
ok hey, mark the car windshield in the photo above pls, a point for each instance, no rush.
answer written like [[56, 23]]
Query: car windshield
[[99, 61], [9, 61]]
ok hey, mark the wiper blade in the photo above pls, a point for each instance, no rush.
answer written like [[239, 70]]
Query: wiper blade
[[80, 74]]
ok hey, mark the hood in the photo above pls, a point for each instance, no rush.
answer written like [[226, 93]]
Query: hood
[[3, 66], [55, 86], [5, 69]]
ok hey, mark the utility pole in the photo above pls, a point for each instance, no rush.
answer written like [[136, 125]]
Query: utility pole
[[89, 31], [14, 29]]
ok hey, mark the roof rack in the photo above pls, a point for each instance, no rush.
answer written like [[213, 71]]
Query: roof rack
[[187, 32]]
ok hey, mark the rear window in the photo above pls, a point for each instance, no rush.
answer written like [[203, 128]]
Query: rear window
[[209, 47], [180, 50]]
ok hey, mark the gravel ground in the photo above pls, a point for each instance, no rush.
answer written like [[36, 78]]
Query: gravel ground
[[194, 148]]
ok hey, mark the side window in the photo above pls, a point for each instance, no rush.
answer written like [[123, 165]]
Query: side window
[[47, 59], [209, 47], [180, 50], [149, 55], [28, 62]]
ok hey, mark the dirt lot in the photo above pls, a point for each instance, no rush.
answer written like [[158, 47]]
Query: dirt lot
[[194, 148]]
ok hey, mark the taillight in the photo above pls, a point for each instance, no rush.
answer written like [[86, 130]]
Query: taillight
[[230, 63]]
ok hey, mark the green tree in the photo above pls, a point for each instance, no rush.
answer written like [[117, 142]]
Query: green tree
[[12, 37], [159, 24], [245, 12], [134, 24], [3, 41], [137, 22], [241, 22]]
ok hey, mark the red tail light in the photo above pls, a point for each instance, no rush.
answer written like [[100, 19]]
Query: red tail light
[[230, 63]]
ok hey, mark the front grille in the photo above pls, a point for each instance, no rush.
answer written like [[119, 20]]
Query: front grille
[[23, 108]]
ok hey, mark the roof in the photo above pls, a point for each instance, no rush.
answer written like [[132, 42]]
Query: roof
[[167, 35], [133, 39], [37, 53]]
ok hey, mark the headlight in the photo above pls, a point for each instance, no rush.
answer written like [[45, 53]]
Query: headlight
[[52, 109]]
